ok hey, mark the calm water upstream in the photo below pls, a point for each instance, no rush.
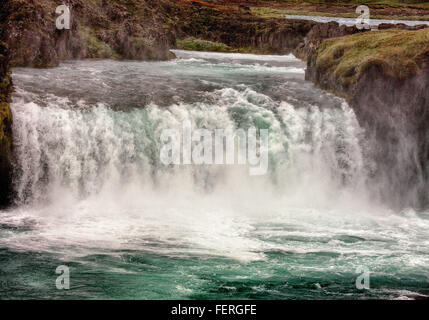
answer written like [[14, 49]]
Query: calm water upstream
[[92, 194], [352, 21]]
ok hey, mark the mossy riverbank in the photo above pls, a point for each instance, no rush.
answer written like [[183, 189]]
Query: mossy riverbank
[[397, 53]]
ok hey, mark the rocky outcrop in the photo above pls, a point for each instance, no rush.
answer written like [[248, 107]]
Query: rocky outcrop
[[99, 29], [252, 33], [5, 129], [146, 30], [318, 33], [244, 31], [386, 84], [395, 114]]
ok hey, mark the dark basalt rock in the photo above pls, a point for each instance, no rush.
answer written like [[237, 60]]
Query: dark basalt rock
[[394, 111], [136, 30], [6, 155]]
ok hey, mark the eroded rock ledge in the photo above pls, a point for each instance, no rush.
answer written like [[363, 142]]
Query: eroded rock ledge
[[384, 76], [135, 29]]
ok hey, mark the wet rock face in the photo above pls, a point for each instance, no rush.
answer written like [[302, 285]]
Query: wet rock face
[[135, 30], [5, 129], [30, 31], [394, 112]]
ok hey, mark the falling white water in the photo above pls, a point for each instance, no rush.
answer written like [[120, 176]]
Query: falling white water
[[87, 150]]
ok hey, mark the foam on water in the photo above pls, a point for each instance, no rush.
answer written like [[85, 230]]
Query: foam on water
[[182, 54]]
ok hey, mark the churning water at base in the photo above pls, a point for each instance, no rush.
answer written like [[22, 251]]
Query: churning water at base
[[93, 195]]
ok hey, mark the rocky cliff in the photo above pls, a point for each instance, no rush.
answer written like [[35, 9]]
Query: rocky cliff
[[99, 29], [243, 30], [385, 77], [5, 128]]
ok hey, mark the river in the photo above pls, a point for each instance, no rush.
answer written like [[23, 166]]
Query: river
[[352, 21]]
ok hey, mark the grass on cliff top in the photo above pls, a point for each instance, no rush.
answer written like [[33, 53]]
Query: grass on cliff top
[[202, 45], [397, 53]]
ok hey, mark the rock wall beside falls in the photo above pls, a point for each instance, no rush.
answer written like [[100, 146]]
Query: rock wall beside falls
[[384, 75], [5, 128], [139, 30], [242, 30]]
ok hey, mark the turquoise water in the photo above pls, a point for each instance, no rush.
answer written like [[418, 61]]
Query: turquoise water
[[93, 195]]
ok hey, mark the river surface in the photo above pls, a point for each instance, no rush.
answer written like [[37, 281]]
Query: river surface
[[352, 21], [92, 194]]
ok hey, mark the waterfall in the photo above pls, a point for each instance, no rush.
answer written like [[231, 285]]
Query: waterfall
[[87, 149]]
